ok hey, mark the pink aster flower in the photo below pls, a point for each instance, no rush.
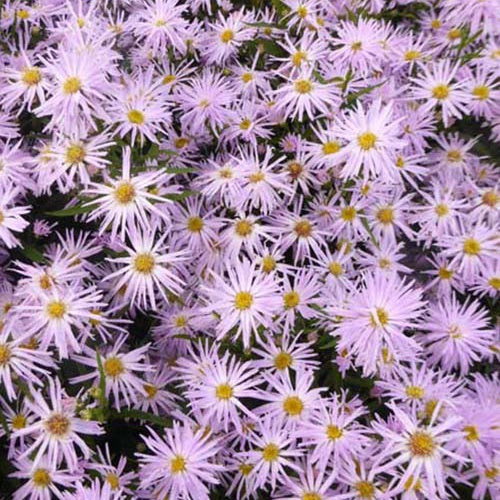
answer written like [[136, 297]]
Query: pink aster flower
[[180, 464], [303, 94], [436, 87], [246, 300], [11, 220], [372, 141], [143, 271], [126, 202], [56, 432], [375, 317], [457, 335], [120, 369]]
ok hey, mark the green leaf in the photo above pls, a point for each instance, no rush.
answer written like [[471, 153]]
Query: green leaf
[[102, 382], [179, 196], [81, 208], [33, 254], [141, 415], [180, 170]]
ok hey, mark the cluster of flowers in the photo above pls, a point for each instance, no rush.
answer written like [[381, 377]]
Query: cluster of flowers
[[263, 236]]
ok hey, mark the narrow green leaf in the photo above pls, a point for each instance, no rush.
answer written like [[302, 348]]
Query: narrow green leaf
[[179, 196], [81, 208], [102, 382], [141, 415], [180, 170], [33, 254]]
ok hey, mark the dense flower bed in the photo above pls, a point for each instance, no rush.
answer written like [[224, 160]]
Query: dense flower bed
[[249, 249]]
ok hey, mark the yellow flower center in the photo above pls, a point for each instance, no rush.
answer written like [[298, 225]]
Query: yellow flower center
[[441, 91], [245, 124], [113, 480], [75, 154], [168, 79], [23, 14], [472, 246], [151, 390], [330, 147], [490, 198], [436, 24], [283, 360], [367, 140], [472, 434], [31, 76], [124, 193], [245, 469], [302, 11], [481, 92], [334, 432], [270, 452], [5, 354], [291, 299], [56, 309], [491, 473], [226, 36], [243, 227], [295, 169], [41, 478], [421, 444], [19, 421], [365, 489], [355, 46], [335, 268], [380, 318], [494, 283], [414, 392], [293, 406], [256, 177], [58, 425], [243, 301], [225, 173], [113, 367], [178, 465], [247, 77], [411, 55], [195, 224], [385, 215], [454, 156], [454, 33], [441, 210], [136, 117], [268, 264], [444, 273], [303, 86], [303, 228], [181, 142], [224, 392], [348, 214], [311, 495], [72, 85], [298, 57], [144, 263]]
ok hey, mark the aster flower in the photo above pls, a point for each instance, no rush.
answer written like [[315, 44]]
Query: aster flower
[[374, 319], [457, 335], [422, 448], [335, 434], [119, 370], [372, 139], [304, 94], [160, 24], [179, 465], [56, 432], [53, 316], [436, 87], [248, 300], [218, 394]]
